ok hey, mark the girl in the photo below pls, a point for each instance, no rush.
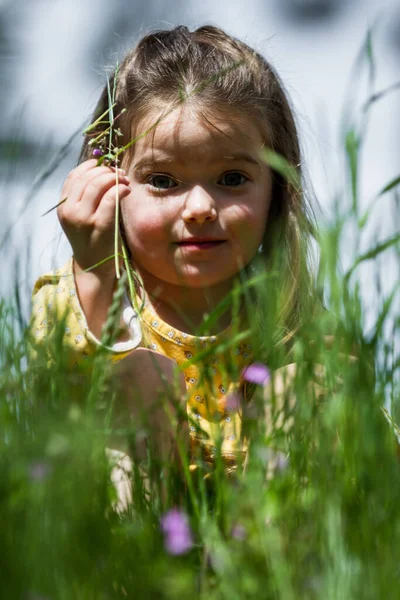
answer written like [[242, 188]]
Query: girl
[[199, 208]]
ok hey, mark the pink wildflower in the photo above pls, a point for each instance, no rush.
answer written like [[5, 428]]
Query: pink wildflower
[[256, 373], [238, 532], [176, 529], [39, 471]]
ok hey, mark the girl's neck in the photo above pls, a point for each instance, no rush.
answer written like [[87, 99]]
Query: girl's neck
[[186, 308]]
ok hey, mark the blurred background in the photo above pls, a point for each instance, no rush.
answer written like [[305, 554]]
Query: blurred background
[[53, 59]]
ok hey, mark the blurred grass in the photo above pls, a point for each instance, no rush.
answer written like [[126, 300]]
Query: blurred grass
[[326, 525]]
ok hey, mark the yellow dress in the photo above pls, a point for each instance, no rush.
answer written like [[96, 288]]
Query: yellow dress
[[212, 379]]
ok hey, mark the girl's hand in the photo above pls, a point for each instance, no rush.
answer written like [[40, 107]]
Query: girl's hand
[[88, 214]]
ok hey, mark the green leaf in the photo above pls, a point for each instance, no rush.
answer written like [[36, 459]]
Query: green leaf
[[390, 186], [54, 207], [395, 182], [373, 253], [384, 313], [101, 262], [379, 95], [352, 149], [278, 163]]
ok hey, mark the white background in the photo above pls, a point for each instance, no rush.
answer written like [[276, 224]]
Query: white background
[[56, 74]]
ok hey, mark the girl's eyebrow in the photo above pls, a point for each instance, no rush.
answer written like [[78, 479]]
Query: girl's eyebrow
[[237, 157]]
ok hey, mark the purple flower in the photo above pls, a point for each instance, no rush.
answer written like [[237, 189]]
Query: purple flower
[[39, 471], [176, 529], [97, 153], [256, 373], [238, 532]]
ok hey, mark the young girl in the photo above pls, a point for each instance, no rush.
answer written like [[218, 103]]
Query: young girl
[[199, 205]]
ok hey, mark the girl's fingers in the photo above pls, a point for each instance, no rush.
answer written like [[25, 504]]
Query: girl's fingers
[[86, 193], [95, 178], [105, 212], [94, 192], [75, 176], [81, 176]]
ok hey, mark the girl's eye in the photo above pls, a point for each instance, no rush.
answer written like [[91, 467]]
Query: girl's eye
[[161, 182], [233, 179]]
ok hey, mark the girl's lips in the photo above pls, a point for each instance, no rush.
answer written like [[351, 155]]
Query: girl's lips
[[196, 245]]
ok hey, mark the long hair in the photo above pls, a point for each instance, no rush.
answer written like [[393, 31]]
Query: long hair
[[218, 74]]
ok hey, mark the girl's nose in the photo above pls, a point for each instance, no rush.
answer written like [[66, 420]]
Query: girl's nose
[[199, 206]]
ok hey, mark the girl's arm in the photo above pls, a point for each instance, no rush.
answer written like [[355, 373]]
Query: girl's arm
[[87, 217], [70, 307]]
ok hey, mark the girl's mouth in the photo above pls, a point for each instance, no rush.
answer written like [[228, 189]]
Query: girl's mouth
[[196, 244]]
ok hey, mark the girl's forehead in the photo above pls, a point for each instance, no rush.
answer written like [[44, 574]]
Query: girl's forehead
[[181, 134]]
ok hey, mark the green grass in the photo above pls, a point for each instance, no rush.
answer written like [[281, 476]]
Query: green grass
[[326, 525]]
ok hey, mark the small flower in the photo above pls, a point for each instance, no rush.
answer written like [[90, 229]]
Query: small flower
[[177, 535], [256, 373], [238, 532], [97, 153], [282, 462], [78, 338], [170, 334], [277, 461], [39, 471]]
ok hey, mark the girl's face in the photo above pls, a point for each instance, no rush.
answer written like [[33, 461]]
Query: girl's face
[[200, 197]]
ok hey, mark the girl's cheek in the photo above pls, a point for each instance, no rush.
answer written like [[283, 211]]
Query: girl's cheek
[[145, 228], [245, 216]]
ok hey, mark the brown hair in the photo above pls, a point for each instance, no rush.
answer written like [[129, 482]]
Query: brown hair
[[218, 73]]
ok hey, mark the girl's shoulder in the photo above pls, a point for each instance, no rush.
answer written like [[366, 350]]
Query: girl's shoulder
[[53, 278]]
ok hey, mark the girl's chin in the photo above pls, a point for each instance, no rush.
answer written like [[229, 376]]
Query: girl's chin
[[189, 276], [201, 280]]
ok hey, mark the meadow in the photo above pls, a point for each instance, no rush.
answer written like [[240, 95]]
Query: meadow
[[314, 514]]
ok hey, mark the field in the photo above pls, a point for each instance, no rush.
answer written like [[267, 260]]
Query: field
[[315, 512]]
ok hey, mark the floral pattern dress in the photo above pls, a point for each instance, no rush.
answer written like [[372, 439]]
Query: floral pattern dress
[[212, 365]]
